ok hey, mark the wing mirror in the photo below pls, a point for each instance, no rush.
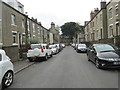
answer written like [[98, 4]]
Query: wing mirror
[[93, 51]]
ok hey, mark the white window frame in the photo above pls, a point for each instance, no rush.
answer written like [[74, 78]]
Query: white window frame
[[33, 27], [111, 33], [23, 24], [116, 7], [28, 25], [110, 17], [13, 20], [14, 32]]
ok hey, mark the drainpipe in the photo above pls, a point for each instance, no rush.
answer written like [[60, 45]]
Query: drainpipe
[[26, 31], [1, 42]]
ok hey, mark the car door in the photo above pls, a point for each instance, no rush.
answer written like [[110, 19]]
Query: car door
[[93, 54], [1, 65], [89, 52]]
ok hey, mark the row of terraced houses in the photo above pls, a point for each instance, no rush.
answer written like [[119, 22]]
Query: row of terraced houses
[[104, 24], [17, 30]]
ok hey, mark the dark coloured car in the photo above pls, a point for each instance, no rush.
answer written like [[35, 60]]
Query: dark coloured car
[[104, 55]]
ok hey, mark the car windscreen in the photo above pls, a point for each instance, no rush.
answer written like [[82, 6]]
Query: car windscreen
[[81, 45], [102, 48], [51, 47], [35, 46]]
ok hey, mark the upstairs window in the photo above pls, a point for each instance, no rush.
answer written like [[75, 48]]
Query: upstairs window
[[13, 19], [33, 27], [23, 24], [110, 13], [116, 10]]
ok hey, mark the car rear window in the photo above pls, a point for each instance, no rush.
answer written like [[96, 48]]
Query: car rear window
[[0, 57], [82, 45], [35, 46]]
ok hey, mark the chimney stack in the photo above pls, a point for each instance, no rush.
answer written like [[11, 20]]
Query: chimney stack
[[103, 4], [92, 14]]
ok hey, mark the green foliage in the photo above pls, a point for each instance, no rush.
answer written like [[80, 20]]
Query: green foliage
[[33, 41], [70, 29]]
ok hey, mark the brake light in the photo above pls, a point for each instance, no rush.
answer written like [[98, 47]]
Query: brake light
[[10, 60], [41, 48]]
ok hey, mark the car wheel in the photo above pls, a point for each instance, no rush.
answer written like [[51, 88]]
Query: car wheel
[[46, 57], [7, 79], [30, 59], [51, 55], [97, 64]]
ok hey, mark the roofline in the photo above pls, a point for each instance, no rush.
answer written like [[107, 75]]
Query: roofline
[[98, 13], [24, 15]]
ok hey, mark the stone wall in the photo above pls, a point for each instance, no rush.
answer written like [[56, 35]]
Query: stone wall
[[12, 52]]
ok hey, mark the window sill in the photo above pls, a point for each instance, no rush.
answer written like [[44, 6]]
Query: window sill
[[14, 25], [15, 44]]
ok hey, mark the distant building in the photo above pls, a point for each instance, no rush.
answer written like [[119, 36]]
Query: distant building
[[55, 33]]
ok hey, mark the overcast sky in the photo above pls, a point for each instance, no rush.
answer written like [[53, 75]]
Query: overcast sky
[[60, 11]]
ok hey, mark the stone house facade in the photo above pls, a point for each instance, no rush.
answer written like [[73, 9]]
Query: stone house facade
[[103, 26], [17, 30]]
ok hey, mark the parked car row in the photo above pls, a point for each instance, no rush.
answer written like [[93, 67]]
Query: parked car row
[[35, 52], [42, 51], [102, 55]]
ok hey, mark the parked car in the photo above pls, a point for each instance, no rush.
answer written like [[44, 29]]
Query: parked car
[[104, 55], [63, 45], [6, 70], [75, 47], [54, 49], [58, 47], [81, 48], [39, 51]]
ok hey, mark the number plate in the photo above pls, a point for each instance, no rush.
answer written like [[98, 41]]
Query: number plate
[[33, 57], [116, 63]]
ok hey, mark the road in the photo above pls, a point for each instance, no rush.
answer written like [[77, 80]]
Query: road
[[68, 69]]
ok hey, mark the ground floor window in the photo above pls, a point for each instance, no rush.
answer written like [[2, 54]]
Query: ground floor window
[[117, 29], [111, 30], [14, 37]]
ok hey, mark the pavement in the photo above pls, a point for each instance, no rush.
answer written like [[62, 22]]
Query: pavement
[[21, 65]]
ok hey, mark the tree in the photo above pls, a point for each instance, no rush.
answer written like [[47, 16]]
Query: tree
[[70, 29]]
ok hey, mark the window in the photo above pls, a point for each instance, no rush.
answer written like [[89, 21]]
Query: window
[[0, 57], [111, 30], [110, 13], [23, 24], [33, 27], [117, 29], [13, 19], [28, 24], [97, 33], [14, 37], [100, 17], [101, 33], [96, 19], [116, 10]]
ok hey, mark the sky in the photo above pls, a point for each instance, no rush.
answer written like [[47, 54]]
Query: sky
[[60, 11]]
